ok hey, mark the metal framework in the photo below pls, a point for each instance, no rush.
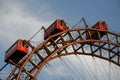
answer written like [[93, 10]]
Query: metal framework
[[72, 41]]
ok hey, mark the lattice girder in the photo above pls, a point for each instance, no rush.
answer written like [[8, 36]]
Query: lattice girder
[[72, 41]]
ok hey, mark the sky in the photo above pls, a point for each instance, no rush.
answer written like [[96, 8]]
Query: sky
[[22, 18]]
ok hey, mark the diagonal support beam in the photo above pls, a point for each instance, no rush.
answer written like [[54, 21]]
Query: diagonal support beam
[[99, 48]]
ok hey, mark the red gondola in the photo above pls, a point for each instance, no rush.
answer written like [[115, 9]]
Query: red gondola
[[56, 27], [101, 25], [17, 51]]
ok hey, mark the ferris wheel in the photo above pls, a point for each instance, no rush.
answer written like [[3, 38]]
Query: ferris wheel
[[60, 41]]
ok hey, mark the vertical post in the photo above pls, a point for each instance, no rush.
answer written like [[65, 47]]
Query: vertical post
[[84, 22]]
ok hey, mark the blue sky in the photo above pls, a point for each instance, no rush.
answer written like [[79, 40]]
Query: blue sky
[[22, 18]]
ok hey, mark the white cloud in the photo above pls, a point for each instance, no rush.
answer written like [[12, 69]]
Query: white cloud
[[82, 67], [16, 21], [20, 20]]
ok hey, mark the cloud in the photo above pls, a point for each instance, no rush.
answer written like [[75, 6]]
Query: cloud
[[21, 19], [18, 19], [82, 67]]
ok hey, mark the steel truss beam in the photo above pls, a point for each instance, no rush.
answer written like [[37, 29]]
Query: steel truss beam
[[72, 41]]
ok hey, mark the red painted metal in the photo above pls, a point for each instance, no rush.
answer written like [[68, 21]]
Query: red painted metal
[[17, 51], [101, 25], [75, 41], [56, 27]]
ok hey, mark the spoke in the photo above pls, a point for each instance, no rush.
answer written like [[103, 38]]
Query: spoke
[[73, 42], [67, 69], [100, 71], [85, 68]]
